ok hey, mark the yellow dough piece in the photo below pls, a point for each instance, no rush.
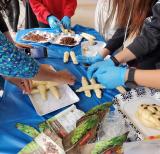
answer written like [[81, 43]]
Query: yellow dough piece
[[73, 57], [43, 91], [66, 57], [65, 31], [51, 84], [42, 88], [90, 87], [97, 91], [121, 89], [71, 31], [55, 92], [34, 91], [37, 83], [149, 115], [84, 84], [88, 36]]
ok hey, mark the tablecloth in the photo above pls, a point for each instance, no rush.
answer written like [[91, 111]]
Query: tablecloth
[[16, 107]]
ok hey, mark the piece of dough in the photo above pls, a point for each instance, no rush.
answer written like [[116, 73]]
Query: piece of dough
[[55, 92], [90, 87], [65, 31], [34, 91], [149, 115], [84, 84], [97, 91], [42, 87], [121, 89], [66, 57], [73, 57], [43, 91], [37, 83], [88, 36], [71, 32], [51, 84]]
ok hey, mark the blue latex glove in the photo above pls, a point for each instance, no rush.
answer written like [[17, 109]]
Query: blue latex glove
[[89, 60], [99, 66], [54, 22], [112, 77], [66, 22]]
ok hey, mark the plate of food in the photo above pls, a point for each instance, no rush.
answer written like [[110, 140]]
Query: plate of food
[[142, 107], [67, 39], [47, 96], [39, 36]]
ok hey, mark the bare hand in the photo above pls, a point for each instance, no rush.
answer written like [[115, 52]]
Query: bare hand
[[64, 77], [24, 84]]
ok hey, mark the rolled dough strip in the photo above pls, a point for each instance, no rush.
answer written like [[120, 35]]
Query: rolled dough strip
[[98, 92], [90, 87], [85, 83], [55, 92], [66, 57], [73, 57]]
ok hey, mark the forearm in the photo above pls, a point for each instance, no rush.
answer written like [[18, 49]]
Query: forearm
[[125, 56], [148, 78], [46, 74], [104, 52]]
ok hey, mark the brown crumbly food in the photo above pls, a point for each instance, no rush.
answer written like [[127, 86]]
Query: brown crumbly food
[[35, 37], [68, 41]]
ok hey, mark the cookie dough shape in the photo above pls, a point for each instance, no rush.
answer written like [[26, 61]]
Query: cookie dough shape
[[97, 91], [86, 88], [42, 87], [149, 115], [84, 84]]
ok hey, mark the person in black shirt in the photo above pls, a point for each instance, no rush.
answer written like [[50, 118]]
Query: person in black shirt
[[136, 13], [147, 43]]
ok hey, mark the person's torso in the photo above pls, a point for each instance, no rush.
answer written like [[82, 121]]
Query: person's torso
[[56, 7]]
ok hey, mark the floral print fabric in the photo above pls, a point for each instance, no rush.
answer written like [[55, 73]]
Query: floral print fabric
[[14, 63]]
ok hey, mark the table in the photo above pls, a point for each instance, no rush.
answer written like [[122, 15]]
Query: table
[[16, 107]]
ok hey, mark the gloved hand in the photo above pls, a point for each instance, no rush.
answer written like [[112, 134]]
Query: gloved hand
[[112, 77], [99, 67], [66, 22], [54, 22], [89, 60]]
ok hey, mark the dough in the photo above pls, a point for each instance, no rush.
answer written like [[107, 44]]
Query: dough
[[84, 84], [73, 57], [43, 87], [97, 91], [86, 88], [149, 115], [66, 57]]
